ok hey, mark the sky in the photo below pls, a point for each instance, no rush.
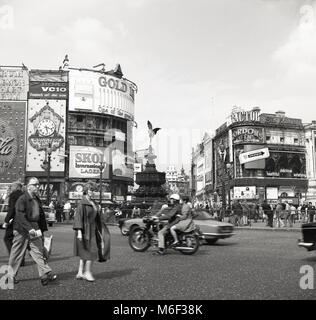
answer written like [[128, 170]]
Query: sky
[[191, 60]]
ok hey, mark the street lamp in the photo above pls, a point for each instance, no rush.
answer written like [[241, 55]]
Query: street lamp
[[101, 167], [222, 154], [47, 166]]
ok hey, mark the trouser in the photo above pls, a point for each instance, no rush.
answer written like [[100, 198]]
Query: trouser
[[311, 217], [270, 219], [161, 236], [20, 244], [8, 238]]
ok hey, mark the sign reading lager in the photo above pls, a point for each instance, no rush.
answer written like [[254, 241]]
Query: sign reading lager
[[84, 162]]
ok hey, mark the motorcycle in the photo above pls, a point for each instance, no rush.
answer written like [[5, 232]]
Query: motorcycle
[[141, 238], [309, 236]]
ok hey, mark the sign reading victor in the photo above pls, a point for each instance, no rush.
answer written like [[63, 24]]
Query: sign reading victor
[[254, 155], [46, 128], [84, 162], [48, 90], [12, 154]]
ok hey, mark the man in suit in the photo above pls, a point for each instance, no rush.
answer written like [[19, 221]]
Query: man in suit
[[28, 228]]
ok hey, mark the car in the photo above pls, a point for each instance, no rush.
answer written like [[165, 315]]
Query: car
[[3, 213], [50, 215], [210, 229]]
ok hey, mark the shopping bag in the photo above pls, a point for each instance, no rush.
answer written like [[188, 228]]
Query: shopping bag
[[47, 248]]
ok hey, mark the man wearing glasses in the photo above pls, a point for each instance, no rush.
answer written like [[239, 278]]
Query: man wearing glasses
[[28, 227]]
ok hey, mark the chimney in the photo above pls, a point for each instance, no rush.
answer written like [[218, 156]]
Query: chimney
[[280, 113]]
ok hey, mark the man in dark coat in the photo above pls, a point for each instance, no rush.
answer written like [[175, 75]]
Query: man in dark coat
[[28, 227], [268, 212], [16, 192]]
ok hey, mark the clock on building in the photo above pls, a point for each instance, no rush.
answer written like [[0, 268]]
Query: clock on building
[[46, 127]]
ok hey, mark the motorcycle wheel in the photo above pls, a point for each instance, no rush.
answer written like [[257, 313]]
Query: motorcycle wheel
[[192, 242], [139, 239]]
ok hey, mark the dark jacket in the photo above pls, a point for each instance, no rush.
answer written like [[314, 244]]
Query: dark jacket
[[23, 214], [14, 196], [101, 232]]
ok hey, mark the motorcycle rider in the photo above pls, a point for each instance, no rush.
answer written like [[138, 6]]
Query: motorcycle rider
[[169, 214], [185, 220]]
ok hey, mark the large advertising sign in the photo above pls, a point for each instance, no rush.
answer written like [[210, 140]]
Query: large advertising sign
[[247, 135], [14, 84], [46, 132], [12, 141], [97, 92], [245, 192], [48, 90], [84, 162]]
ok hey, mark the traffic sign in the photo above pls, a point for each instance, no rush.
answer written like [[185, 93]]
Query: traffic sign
[[254, 155]]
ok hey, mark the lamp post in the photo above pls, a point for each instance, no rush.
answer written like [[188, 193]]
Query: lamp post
[[222, 153], [101, 167], [47, 166]]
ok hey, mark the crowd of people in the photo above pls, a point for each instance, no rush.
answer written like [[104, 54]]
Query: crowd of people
[[243, 212]]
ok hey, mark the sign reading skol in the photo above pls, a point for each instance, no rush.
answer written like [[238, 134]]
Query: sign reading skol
[[254, 155]]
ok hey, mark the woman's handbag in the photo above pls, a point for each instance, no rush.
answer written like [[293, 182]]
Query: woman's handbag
[[47, 248]]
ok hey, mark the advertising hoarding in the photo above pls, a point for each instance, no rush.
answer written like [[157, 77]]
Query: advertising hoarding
[[100, 93], [84, 162], [272, 193], [14, 83], [48, 90], [245, 192], [12, 141], [46, 128]]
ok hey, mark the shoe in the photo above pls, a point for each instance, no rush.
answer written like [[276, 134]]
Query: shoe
[[160, 252], [79, 276], [88, 276], [49, 278], [175, 244]]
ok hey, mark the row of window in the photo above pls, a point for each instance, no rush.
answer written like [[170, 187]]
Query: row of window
[[282, 140]]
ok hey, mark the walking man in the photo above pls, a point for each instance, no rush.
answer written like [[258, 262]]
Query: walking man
[[28, 228], [268, 212]]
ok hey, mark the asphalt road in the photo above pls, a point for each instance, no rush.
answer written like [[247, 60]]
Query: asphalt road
[[251, 265]]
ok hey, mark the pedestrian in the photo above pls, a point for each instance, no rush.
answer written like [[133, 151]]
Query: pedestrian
[[92, 239], [311, 211], [279, 214], [245, 213], [29, 226], [237, 212], [292, 215], [67, 208], [287, 214], [16, 192], [304, 213], [268, 212]]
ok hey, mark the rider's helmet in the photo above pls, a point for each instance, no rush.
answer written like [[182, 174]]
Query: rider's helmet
[[175, 197]]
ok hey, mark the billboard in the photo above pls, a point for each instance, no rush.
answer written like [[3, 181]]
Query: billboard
[[245, 192], [97, 92], [12, 141], [46, 129], [14, 83], [48, 90], [84, 162]]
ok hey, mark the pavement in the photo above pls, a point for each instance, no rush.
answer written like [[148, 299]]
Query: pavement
[[259, 225]]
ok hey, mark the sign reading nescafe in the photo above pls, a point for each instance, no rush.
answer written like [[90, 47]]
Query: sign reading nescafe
[[48, 90]]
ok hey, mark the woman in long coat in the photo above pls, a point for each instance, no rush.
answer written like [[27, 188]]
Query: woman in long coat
[[92, 238]]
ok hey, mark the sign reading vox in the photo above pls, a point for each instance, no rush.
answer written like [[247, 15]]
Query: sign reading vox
[[254, 155]]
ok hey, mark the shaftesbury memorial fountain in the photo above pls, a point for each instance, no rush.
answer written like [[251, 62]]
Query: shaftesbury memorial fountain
[[150, 180]]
